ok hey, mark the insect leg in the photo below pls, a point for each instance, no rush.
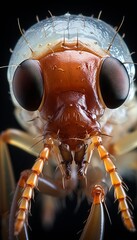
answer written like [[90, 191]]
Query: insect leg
[[45, 186], [21, 140], [116, 182], [125, 144], [25, 142], [49, 187], [14, 206], [7, 188], [30, 184], [94, 227], [52, 194]]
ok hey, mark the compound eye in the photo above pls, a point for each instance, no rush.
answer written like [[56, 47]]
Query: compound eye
[[114, 83], [28, 84]]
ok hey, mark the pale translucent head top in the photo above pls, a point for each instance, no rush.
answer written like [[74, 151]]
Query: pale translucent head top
[[46, 33]]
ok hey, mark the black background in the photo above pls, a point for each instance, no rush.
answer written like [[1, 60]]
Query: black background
[[112, 12]]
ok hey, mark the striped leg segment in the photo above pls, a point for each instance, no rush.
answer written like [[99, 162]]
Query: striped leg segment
[[7, 188], [28, 186], [116, 181], [14, 206]]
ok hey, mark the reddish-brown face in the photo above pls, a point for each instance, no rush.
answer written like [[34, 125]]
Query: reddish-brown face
[[70, 88], [71, 104]]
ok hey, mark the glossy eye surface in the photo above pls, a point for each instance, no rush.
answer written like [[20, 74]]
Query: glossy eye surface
[[28, 84], [114, 83]]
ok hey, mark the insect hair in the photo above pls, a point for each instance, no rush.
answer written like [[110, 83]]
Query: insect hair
[[117, 31], [22, 33]]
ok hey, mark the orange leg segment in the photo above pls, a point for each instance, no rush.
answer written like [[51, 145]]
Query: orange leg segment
[[29, 184], [17, 195], [7, 187], [116, 181]]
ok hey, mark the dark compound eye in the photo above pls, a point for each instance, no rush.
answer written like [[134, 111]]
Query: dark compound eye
[[28, 84], [114, 82]]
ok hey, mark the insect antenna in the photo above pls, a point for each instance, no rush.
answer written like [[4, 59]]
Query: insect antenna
[[117, 30]]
